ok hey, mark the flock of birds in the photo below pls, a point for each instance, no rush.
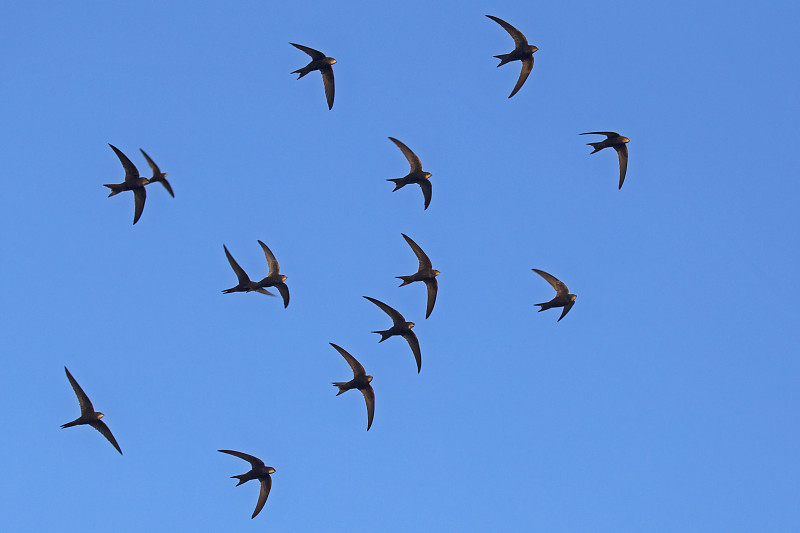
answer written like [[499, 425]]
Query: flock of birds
[[522, 52]]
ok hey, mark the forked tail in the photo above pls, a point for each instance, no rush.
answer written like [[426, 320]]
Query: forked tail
[[399, 183], [384, 335], [341, 385], [597, 146], [503, 59]]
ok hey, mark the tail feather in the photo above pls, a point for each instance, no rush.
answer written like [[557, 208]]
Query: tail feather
[[384, 335], [405, 279], [503, 59], [115, 188], [240, 477], [340, 384], [399, 183], [301, 72], [597, 146]]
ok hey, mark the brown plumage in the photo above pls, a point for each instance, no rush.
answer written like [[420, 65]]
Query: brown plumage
[[399, 327], [88, 415], [416, 175], [617, 142], [321, 63], [562, 298], [259, 471], [426, 273], [522, 52], [360, 381]]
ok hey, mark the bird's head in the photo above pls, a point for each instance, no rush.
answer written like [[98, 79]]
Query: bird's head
[[270, 470], [427, 174], [99, 415], [330, 60], [625, 140], [369, 379], [572, 297], [436, 272], [410, 325], [534, 48], [283, 278]]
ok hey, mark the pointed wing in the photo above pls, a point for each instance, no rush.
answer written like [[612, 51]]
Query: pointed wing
[[527, 66], [553, 281], [262, 290], [266, 485], [240, 273], [101, 426], [139, 197], [396, 317], [433, 287], [369, 398], [358, 370], [608, 134], [315, 54], [131, 172], [519, 39], [424, 261], [566, 310], [622, 153], [83, 400], [413, 160], [413, 341], [167, 186], [284, 290], [327, 80], [271, 261], [153, 166], [427, 191], [254, 461]]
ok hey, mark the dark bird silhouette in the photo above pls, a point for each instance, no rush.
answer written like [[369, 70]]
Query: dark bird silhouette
[[425, 273], [399, 327], [415, 176], [259, 472], [245, 283], [617, 142], [158, 176], [132, 183], [522, 52], [360, 381], [274, 278], [562, 298], [88, 414], [321, 63]]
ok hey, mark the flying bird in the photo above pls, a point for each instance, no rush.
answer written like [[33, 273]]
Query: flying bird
[[522, 52], [360, 381], [88, 414], [399, 327], [415, 176], [562, 298], [245, 283], [321, 63], [425, 273], [616, 141], [259, 472], [158, 176], [132, 183], [274, 278]]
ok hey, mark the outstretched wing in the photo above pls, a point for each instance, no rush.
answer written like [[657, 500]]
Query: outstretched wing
[[327, 81], [396, 317], [412, 158], [315, 54], [608, 134], [254, 461], [433, 287], [284, 290], [240, 273], [153, 166], [622, 153], [566, 310], [413, 341], [83, 400], [424, 261], [427, 191], [101, 426], [519, 39], [527, 66], [271, 261], [139, 197], [131, 172], [266, 485], [557, 284], [369, 398], [358, 370]]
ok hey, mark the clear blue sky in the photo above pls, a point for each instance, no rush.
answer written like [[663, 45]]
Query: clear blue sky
[[667, 400]]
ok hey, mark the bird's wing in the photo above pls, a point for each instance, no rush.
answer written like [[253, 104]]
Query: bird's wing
[[396, 317], [83, 400], [254, 461], [433, 287], [240, 273], [413, 341], [284, 290], [527, 66], [427, 192], [369, 398], [622, 153], [327, 80], [266, 485], [424, 261], [608, 134], [566, 310], [153, 166], [139, 197], [553, 281], [412, 158], [101, 426], [167, 186], [131, 172], [271, 261], [315, 54], [519, 39], [358, 370], [262, 290]]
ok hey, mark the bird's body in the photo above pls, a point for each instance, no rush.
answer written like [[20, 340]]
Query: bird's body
[[617, 142], [426, 274], [88, 415], [158, 176], [360, 381], [259, 471], [399, 327], [562, 298], [273, 279], [522, 52], [133, 182], [321, 63], [416, 175]]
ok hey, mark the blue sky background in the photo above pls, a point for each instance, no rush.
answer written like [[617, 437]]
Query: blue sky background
[[665, 401]]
